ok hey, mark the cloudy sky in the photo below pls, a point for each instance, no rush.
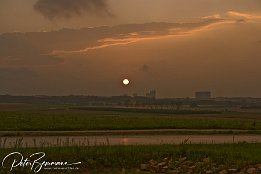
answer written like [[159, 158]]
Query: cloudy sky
[[62, 47]]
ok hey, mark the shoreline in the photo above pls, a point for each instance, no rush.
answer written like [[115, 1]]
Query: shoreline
[[131, 132]]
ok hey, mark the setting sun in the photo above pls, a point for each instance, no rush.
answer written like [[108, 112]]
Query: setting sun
[[126, 82]]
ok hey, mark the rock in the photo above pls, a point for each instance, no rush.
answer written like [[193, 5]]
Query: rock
[[206, 160], [174, 171], [221, 166], [189, 163], [162, 164], [166, 159], [145, 167], [232, 170], [158, 169], [190, 171], [258, 166], [223, 172], [251, 170], [184, 166], [209, 171], [192, 167], [199, 163], [183, 159], [165, 167], [241, 173], [153, 162]]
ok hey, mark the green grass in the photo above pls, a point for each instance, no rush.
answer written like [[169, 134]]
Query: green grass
[[107, 158], [148, 110], [71, 120]]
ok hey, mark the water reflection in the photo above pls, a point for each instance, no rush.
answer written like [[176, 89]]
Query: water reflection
[[60, 141]]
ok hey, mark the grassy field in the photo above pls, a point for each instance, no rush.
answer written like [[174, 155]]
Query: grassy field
[[183, 158], [117, 159], [43, 119]]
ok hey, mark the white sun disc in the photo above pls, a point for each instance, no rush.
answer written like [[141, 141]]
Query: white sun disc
[[126, 82]]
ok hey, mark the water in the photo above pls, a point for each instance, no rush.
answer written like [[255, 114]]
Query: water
[[62, 141]]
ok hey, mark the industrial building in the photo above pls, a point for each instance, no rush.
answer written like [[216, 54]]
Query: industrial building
[[203, 95], [151, 94]]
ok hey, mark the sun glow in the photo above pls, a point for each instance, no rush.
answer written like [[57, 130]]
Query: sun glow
[[126, 82]]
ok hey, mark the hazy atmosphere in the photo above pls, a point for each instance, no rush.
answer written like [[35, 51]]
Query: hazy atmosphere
[[87, 47]]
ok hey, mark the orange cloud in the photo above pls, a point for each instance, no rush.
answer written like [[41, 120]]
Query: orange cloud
[[240, 15], [233, 15], [124, 39], [215, 16], [151, 32]]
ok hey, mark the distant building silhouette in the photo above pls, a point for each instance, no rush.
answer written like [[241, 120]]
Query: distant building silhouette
[[135, 95], [151, 94], [203, 95]]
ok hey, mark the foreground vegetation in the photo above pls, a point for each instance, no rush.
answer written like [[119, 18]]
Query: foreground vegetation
[[185, 158], [131, 159], [75, 120]]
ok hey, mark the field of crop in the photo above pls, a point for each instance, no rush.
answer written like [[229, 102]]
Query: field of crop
[[128, 159], [43, 119], [184, 158]]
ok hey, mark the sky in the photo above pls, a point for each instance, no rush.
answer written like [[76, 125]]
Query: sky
[[87, 47]]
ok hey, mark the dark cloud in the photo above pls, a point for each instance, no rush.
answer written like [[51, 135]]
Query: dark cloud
[[48, 48], [69, 8]]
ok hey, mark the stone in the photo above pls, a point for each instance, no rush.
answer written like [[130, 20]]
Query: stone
[[209, 171], [192, 167], [165, 167], [258, 166], [223, 172], [190, 171], [162, 164], [190, 162], [199, 163], [175, 171], [251, 170], [166, 159], [158, 169], [241, 173], [183, 159], [232, 170], [206, 160], [153, 162], [145, 167]]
